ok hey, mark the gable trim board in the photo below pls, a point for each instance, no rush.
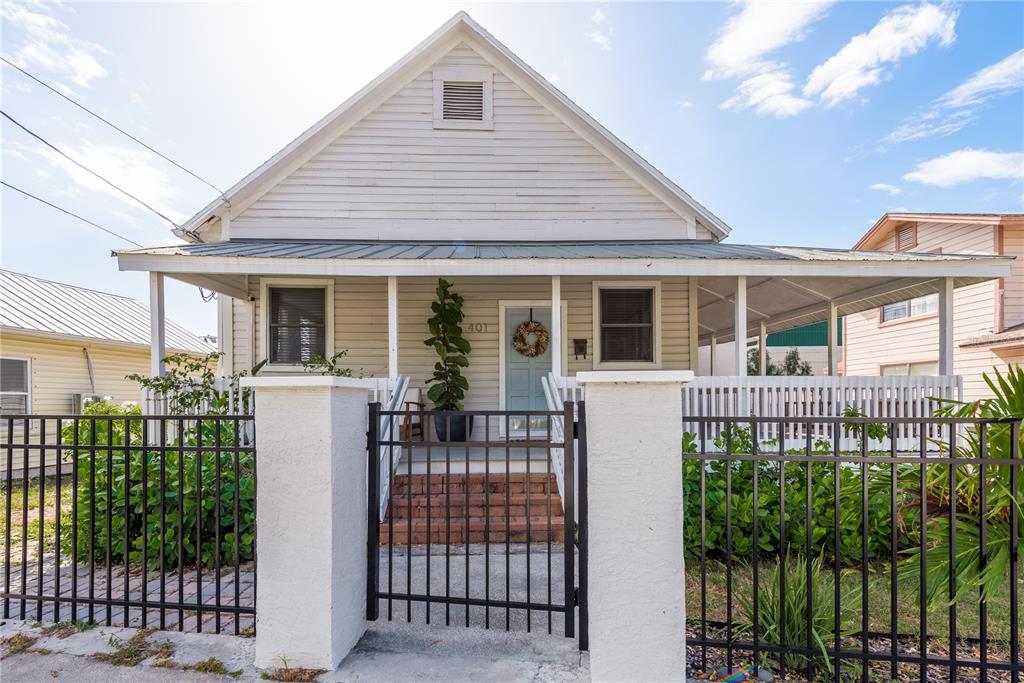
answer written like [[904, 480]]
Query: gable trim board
[[460, 29]]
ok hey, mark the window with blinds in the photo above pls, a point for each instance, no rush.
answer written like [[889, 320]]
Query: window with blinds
[[627, 325], [912, 307], [14, 386], [298, 327]]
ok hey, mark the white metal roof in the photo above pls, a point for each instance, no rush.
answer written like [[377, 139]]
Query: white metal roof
[[42, 307]]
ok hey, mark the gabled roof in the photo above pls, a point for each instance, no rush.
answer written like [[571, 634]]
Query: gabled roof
[[41, 307], [461, 27], [890, 220]]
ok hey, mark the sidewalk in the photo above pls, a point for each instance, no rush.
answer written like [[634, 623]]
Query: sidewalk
[[391, 652]]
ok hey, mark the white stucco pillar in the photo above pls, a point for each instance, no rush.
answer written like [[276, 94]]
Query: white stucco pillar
[[393, 369], [311, 507], [556, 325], [833, 339], [635, 525], [946, 326], [741, 325], [157, 325]]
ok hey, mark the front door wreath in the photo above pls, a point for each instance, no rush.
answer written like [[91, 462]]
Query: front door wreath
[[521, 339]]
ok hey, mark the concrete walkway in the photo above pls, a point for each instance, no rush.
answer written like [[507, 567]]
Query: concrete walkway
[[388, 652]]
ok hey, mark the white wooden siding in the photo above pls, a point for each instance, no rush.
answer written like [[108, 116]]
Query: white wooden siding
[[361, 325], [868, 345], [394, 176]]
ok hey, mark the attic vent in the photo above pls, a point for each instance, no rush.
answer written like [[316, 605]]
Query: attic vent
[[906, 237], [463, 98], [463, 101]]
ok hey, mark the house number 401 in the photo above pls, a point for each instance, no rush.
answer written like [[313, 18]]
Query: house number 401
[[479, 327]]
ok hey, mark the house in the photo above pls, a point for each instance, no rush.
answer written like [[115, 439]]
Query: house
[[461, 162], [900, 338], [62, 346]]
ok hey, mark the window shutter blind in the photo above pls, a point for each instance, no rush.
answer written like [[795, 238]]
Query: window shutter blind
[[627, 325], [297, 324], [463, 100]]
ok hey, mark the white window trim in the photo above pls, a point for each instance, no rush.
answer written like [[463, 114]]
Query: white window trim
[[266, 284], [464, 73], [28, 381], [598, 285]]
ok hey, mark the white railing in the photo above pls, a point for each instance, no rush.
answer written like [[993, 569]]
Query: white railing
[[795, 397], [391, 397], [558, 390], [237, 400]]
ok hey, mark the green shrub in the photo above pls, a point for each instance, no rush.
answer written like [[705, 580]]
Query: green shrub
[[103, 484]]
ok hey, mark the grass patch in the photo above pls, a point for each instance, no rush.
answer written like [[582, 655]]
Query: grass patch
[[208, 666], [879, 608], [134, 651], [292, 673], [166, 663], [63, 629], [19, 642]]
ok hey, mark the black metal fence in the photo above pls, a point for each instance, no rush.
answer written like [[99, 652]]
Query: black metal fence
[[875, 564], [481, 531], [130, 520]]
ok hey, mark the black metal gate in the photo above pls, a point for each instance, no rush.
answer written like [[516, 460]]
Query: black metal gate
[[487, 532]]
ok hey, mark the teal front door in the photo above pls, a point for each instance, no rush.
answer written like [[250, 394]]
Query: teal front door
[[523, 390]]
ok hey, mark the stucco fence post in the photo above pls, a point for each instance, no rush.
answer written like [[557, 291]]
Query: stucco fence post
[[311, 519], [635, 504]]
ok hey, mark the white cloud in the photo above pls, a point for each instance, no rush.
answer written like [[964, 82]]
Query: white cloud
[[959, 107], [47, 43], [890, 190], [996, 79], [601, 30], [769, 93], [132, 169], [760, 28], [967, 165], [684, 104], [862, 61]]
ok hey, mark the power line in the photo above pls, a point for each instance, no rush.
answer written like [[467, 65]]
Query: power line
[[86, 168], [114, 126], [84, 220]]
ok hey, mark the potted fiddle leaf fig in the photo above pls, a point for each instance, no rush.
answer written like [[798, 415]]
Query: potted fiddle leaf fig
[[448, 385]]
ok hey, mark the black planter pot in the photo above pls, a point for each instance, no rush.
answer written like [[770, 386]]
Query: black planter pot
[[461, 426]]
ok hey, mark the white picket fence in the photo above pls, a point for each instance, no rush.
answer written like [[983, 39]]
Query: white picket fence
[[799, 397]]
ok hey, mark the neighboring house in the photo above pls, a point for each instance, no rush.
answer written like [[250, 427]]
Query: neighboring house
[[61, 345], [462, 162], [901, 338]]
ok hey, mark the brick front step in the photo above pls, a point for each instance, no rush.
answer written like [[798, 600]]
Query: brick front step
[[479, 498]]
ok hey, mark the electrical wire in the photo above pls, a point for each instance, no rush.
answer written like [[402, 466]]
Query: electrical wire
[[116, 127], [86, 168], [70, 213]]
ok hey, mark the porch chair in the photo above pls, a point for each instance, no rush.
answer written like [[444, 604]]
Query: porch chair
[[412, 426]]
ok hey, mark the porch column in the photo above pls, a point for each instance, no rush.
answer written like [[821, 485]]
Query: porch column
[[157, 330], [762, 348], [392, 328], [714, 352], [556, 325], [833, 340], [636, 584], [946, 326], [741, 325]]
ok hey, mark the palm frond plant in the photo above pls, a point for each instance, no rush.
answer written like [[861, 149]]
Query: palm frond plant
[[1002, 503]]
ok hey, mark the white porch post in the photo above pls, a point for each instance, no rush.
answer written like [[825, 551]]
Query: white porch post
[[393, 328], [946, 326], [741, 325], [833, 340], [714, 352], [635, 525], [556, 325], [762, 348], [157, 329]]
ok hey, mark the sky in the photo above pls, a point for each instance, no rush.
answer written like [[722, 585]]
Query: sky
[[798, 123]]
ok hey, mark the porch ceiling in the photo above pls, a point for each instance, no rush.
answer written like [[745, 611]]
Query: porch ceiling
[[786, 302]]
